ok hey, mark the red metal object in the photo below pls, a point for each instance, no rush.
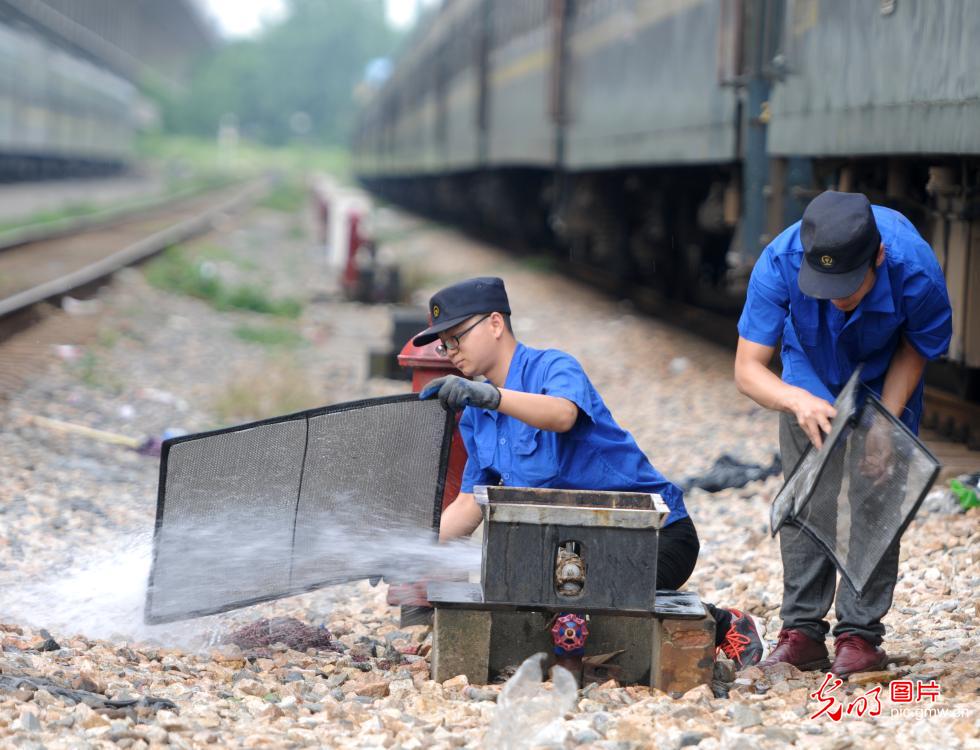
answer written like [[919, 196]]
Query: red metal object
[[322, 206], [354, 240], [569, 634], [426, 366]]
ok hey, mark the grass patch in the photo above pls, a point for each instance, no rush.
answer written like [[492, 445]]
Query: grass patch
[[274, 388], [91, 371], [222, 254], [82, 209], [177, 272], [202, 156], [272, 336], [69, 211], [207, 251], [107, 338], [248, 297], [289, 196]]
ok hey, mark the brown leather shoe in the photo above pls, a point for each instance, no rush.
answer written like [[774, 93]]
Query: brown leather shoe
[[854, 654], [797, 648]]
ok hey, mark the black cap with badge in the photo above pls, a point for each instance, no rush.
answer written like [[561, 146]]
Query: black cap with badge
[[451, 306], [840, 238]]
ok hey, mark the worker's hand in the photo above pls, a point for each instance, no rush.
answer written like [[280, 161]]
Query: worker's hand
[[813, 414], [877, 463], [456, 392]]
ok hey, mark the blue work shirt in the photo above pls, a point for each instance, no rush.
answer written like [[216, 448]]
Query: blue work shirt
[[822, 346], [596, 454]]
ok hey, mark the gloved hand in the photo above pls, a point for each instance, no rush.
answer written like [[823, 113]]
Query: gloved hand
[[456, 392]]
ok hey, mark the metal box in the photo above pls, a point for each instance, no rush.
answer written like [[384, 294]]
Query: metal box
[[613, 537]]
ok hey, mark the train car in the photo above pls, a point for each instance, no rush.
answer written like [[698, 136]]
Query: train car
[[884, 98], [60, 114], [658, 145]]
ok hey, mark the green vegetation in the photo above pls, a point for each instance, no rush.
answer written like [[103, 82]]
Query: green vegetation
[[178, 272], [288, 196], [189, 154], [272, 336], [69, 211], [248, 297], [93, 372], [220, 254], [107, 337], [293, 81], [80, 209]]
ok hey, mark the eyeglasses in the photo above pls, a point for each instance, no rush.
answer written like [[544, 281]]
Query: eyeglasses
[[452, 343]]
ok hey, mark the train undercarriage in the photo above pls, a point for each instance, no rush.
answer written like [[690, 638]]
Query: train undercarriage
[[668, 238]]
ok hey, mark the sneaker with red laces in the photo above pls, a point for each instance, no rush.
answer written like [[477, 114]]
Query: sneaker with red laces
[[854, 654], [797, 648], [744, 643]]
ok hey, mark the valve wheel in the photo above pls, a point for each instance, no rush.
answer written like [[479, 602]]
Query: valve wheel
[[569, 634]]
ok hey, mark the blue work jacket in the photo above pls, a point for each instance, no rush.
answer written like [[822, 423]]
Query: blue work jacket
[[821, 345], [596, 454]]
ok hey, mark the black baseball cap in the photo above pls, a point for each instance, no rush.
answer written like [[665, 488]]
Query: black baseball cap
[[839, 237], [454, 304]]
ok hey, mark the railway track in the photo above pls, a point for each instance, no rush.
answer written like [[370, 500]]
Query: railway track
[[37, 273], [47, 267], [103, 217]]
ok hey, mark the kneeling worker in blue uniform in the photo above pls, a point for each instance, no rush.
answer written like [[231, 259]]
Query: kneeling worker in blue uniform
[[537, 421], [851, 284]]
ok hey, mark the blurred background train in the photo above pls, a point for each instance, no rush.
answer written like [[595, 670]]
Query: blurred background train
[[70, 78], [656, 146]]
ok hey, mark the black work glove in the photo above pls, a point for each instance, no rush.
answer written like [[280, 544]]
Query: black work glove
[[456, 392]]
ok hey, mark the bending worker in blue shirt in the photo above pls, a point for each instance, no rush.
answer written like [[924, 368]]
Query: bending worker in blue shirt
[[851, 284], [536, 421]]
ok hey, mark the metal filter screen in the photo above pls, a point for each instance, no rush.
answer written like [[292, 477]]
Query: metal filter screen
[[273, 508], [858, 493]]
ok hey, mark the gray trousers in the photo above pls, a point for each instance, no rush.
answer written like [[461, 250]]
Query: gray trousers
[[810, 576]]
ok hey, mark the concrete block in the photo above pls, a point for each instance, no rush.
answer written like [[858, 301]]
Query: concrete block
[[608, 633], [461, 644], [516, 635], [673, 655]]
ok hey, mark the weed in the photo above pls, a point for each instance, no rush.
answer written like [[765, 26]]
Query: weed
[[175, 271], [287, 196], [107, 337], [202, 157], [70, 211], [273, 336], [247, 297], [90, 370]]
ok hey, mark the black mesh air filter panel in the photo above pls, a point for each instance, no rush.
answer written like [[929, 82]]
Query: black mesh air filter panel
[[857, 495], [265, 510], [798, 487]]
